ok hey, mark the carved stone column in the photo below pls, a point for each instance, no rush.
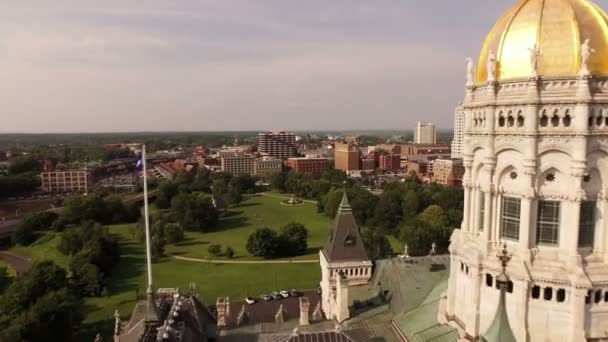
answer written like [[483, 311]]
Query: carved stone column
[[577, 308], [468, 185]]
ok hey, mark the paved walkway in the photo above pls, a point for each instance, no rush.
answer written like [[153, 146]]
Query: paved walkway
[[20, 264], [245, 262], [286, 197]]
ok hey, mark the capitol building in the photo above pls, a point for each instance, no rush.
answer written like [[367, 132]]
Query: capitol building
[[536, 158]]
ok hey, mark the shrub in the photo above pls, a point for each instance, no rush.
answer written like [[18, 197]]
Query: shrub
[[229, 252], [215, 249]]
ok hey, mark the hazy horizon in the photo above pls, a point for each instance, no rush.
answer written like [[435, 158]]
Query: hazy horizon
[[240, 65]]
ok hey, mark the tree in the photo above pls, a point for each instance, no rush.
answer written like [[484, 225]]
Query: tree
[[166, 191], [295, 239], [23, 164], [376, 244], [411, 204], [278, 180], [420, 235], [86, 277], [157, 245], [24, 234], [234, 192], [263, 242], [332, 202], [434, 215], [194, 211], [202, 181], [173, 232], [388, 212], [5, 279], [41, 221]]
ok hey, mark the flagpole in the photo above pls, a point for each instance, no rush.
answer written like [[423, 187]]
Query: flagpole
[[152, 315]]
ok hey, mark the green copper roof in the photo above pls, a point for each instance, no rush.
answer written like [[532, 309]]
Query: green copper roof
[[500, 330]]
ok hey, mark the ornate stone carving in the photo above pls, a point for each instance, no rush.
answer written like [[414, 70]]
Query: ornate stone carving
[[586, 52], [554, 143]]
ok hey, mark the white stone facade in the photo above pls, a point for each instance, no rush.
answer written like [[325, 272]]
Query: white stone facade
[[536, 160], [334, 291]]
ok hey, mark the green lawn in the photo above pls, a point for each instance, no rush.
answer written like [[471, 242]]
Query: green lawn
[[255, 212], [43, 249], [128, 279], [237, 281]]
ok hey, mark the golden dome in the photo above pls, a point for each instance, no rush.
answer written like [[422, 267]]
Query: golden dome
[[558, 28]]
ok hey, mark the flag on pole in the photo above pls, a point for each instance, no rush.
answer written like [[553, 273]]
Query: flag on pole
[[139, 165]]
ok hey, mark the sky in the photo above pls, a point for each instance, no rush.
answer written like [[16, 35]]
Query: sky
[[202, 65]]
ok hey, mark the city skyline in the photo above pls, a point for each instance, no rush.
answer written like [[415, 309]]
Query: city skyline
[[242, 65]]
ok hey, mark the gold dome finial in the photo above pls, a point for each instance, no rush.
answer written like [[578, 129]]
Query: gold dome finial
[[547, 37]]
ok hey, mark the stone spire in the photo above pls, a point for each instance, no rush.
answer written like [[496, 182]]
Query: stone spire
[[500, 329], [344, 204]]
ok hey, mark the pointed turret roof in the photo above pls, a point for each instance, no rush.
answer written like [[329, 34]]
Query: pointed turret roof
[[500, 329], [345, 243]]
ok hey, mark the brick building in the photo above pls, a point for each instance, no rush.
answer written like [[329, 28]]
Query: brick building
[[448, 171], [390, 162], [315, 166]]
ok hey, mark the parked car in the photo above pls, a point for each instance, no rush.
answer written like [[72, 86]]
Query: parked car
[[294, 293], [284, 293], [250, 300], [266, 297], [276, 295]]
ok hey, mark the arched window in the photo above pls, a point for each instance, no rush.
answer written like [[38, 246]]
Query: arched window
[[536, 292], [489, 280], [544, 119], [567, 120], [561, 295], [548, 293]]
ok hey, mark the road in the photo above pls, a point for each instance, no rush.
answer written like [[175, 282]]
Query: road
[[20, 264], [245, 262]]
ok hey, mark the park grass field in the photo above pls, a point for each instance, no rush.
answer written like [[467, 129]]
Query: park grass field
[[128, 279], [45, 248], [256, 211]]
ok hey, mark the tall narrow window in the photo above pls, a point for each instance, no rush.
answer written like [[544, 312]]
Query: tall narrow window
[[586, 227], [482, 209], [511, 208], [547, 225]]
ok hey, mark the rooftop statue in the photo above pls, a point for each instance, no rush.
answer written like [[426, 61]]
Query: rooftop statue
[[586, 52], [470, 71], [491, 66], [534, 56]]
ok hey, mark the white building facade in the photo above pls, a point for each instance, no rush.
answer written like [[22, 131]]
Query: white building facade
[[425, 133], [458, 140], [536, 162]]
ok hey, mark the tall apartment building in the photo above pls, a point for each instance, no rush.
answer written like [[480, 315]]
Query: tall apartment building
[[347, 156], [280, 145], [390, 162], [425, 133], [67, 180], [266, 167], [458, 141], [315, 166], [238, 165], [448, 171]]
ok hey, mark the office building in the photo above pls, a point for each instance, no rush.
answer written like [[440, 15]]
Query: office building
[[280, 145], [66, 180], [425, 133], [347, 156], [458, 140], [448, 172], [266, 167], [238, 165]]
